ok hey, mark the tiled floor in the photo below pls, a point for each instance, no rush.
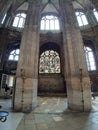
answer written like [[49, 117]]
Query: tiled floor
[[51, 114]]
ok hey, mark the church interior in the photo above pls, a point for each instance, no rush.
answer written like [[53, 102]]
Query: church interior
[[49, 64]]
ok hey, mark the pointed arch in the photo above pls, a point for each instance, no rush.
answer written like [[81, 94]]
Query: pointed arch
[[90, 59], [49, 22], [81, 18], [95, 14], [19, 20], [49, 58]]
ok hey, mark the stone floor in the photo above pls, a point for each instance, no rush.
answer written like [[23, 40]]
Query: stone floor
[[51, 114]]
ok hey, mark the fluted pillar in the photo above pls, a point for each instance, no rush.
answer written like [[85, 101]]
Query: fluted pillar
[[76, 74], [27, 72]]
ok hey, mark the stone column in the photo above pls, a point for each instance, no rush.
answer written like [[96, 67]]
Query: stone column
[[95, 2], [27, 72], [76, 75]]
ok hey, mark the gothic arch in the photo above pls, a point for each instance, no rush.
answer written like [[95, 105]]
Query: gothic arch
[[50, 46]]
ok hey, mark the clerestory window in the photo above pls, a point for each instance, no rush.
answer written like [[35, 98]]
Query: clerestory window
[[49, 62], [49, 22], [2, 22], [19, 20], [81, 18], [95, 14], [90, 58], [14, 55]]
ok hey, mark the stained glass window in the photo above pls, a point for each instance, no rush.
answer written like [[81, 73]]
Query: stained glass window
[[81, 18], [14, 55], [49, 22], [19, 20], [49, 62], [90, 58]]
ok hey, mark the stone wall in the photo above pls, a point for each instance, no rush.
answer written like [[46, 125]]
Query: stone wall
[[51, 84]]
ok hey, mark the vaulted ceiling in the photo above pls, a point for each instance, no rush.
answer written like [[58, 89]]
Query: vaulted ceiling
[[78, 4]]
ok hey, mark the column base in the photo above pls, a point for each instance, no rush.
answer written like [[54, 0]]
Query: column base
[[25, 95], [82, 108]]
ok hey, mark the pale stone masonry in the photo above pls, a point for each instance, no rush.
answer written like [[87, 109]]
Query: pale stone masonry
[[75, 69], [27, 71]]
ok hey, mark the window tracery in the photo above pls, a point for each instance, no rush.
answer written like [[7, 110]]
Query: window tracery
[[90, 58], [49, 22], [19, 20], [81, 18], [14, 55], [49, 62]]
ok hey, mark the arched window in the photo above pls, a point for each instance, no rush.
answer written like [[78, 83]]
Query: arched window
[[95, 14], [3, 19], [14, 55], [81, 18], [19, 20], [90, 58], [49, 22], [49, 62]]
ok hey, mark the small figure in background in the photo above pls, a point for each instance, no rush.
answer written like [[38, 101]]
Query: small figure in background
[[0, 106], [6, 88]]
